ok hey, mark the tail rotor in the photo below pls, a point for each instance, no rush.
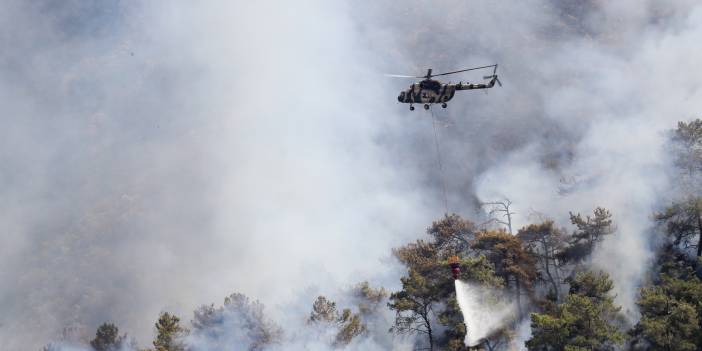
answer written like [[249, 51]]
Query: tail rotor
[[494, 76]]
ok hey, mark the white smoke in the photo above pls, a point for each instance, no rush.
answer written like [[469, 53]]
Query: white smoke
[[159, 155]]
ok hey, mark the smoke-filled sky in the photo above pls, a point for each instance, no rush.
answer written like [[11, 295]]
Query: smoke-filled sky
[[160, 155]]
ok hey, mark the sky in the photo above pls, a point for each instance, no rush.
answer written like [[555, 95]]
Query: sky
[[159, 156]]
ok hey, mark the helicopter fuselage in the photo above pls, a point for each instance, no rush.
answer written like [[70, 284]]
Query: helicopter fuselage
[[427, 92]]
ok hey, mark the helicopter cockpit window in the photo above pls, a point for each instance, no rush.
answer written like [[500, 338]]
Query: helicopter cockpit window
[[432, 85]]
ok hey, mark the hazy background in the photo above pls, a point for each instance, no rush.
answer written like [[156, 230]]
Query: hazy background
[[158, 156]]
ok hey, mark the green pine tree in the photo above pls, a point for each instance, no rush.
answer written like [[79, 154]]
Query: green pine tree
[[586, 320], [169, 333], [107, 338]]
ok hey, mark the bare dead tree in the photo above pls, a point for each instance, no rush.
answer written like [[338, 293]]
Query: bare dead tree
[[500, 212]]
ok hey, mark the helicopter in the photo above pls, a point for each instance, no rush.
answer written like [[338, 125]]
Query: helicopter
[[431, 91]]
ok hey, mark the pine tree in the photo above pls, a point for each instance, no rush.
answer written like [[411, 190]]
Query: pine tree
[[347, 324], [586, 320], [683, 223], [452, 234], [512, 262], [589, 232], [107, 338], [545, 242], [668, 322], [323, 310], [169, 333]]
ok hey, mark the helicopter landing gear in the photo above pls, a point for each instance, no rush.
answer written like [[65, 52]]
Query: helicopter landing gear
[[411, 108], [444, 105], [426, 106]]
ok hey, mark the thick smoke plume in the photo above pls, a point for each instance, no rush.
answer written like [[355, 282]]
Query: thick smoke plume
[[156, 156]]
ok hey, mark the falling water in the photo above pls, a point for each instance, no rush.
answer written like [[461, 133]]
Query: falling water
[[483, 311]]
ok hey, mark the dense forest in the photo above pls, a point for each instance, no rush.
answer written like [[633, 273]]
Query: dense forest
[[544, 268]]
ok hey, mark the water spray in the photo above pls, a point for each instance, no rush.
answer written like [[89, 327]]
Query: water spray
[[484, 311]]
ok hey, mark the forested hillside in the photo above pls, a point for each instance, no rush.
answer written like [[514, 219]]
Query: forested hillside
[[545, 268]]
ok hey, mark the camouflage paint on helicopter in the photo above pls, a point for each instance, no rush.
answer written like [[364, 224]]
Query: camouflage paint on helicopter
[[431, 91]]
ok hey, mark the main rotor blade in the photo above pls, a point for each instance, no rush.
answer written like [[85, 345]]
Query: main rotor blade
[[463, 70], [400, 76]]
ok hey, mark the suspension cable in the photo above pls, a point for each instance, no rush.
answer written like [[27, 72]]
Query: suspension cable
[[438, 158]]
